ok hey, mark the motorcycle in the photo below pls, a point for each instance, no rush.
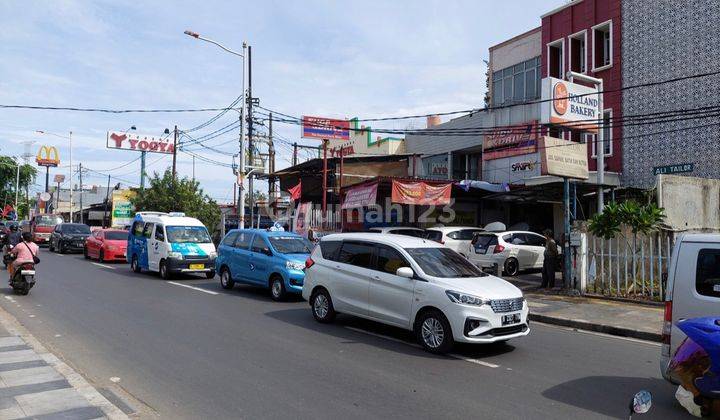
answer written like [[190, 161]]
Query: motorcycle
[[24, 277], [696, 364]]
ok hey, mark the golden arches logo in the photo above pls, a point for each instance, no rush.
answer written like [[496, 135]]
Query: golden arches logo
[[48, 156]]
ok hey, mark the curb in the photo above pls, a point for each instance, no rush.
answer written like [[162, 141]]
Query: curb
[[589, 326], [77, 381]]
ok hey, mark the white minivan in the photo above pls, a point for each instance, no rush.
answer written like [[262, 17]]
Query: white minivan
[[415, 284], [693, 288], [170, 243]]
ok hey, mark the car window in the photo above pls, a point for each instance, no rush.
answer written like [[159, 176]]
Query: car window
[[443, 262], [147, 230], [137, 228], [291, 244], [507, 238], [454, 234], [259, 244], [389, 259], [243, 240], [467, 234], [188, 234], [707, 274], [518, 239], [433, 235], [159, 233], [355, 253], [329, 249], [483, 242], [75, 228], [409, 232], [229, 239], [116, 235], [535, 240]]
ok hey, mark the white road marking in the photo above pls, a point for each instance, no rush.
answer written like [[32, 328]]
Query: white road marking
[[114, 379], [10, 298], [454, 356], [31, 316], [210, 292], [599, 334], [59, 255], [58, 335], [104, 265]]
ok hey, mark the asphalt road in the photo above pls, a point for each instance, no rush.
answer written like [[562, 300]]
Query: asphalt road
[[204, 352]]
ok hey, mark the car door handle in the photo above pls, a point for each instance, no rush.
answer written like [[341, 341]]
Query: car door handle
[[376, 277]]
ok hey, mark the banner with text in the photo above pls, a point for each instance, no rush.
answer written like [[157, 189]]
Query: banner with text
[[361, 196], [139, 142], [570, 104], [123, 210], [420, 193], [563, 158], [325, 128], [513, 140]]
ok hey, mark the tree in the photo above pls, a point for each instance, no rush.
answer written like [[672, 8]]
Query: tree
[[258, 196], [8, 175], [165, 193], [487, 84]]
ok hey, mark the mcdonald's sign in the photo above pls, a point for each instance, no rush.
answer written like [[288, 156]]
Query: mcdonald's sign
[[48, 156]]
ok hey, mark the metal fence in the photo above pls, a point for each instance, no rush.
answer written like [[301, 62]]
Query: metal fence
[[624, 267]]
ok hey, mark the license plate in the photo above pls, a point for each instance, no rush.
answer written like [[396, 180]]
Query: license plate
[[510, 319], [197, 266]]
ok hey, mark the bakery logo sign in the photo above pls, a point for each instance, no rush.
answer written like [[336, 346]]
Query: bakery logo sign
[[140, 142], [569, 104]]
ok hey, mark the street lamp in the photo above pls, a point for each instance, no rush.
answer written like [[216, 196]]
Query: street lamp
[[241, 209], [70, 170]]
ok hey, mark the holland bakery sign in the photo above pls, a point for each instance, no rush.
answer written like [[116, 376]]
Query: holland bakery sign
[[570, 104], [139, 142]]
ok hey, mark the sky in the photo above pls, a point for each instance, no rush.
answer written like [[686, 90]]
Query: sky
[[340, 59]]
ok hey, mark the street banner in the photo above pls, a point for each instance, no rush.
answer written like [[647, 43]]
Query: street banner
[[140, 142], [301, 220], [122, 209], [59, 178], [360, 196], [325, 128], [520, 139], [48, 156], [570, 104], [563, 158], [420, 193], [296, 191]]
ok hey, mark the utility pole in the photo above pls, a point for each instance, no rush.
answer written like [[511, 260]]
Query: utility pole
[[271, 153], [107, 199], [17, 185], [193, 156], [142, 170], [294, 160], [241, 173], [57, 199], [324, 181], [175, 139], [250, 135], [81, 192]]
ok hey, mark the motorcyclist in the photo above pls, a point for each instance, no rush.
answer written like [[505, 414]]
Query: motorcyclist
[[15, 235], [24, 252]]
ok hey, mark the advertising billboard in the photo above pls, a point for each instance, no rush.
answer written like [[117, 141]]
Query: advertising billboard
[[512, 170], [325, 128], [563, 158], [122, 209], [570, 104], [420, 193], [140, 142], [48, 156], [519, 139]]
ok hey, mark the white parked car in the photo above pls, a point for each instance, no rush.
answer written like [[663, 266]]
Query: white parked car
[[398, 230], [456, 238], [512, 251], [415, 284]]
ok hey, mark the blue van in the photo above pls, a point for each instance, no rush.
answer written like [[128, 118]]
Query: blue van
[[263, 258]]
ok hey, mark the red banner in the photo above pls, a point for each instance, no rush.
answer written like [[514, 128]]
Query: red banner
[[420, 193], [361, 196], [513, 140]]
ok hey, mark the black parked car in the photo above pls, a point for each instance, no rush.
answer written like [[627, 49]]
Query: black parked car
[[68, 237]]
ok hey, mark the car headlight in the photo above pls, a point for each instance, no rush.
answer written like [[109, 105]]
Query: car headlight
[[175, 255], [464, 299], [293, 265], [212, 255]]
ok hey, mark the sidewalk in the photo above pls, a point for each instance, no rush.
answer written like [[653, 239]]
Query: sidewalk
[[35, 384], [592, 314]]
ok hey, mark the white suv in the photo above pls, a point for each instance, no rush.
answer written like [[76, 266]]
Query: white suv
[[415, 284], [512, 251], [456, 238]]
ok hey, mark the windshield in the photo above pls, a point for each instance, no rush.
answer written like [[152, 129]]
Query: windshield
[[443, 263], [188, 234], [116, 236], [291, 244], [48, 220], [76, 229]]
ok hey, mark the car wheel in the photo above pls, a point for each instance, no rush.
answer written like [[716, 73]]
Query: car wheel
[[277, 288], [226, 280], [322, 306], [135, 264], [164, 272], [85, 253], [101, 256], [210, 274], [433, 332], [50, 247], [511, 267]]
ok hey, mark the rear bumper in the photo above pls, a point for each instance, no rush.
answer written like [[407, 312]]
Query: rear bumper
[[183, 266], [71, 245]]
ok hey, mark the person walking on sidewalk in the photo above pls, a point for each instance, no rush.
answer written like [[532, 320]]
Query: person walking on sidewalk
[[549, 261]]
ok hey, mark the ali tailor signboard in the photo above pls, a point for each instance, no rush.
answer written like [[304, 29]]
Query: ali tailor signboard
[[674, 169], [139, 142], [570, 104], [520, 139], [563, 158], [325, 128]]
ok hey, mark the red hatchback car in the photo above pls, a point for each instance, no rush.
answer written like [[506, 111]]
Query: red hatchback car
[[107, 245]]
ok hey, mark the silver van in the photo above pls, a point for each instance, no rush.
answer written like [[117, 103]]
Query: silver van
[[693, 288]]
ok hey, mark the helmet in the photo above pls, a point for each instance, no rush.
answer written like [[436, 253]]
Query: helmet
[[13, 228]]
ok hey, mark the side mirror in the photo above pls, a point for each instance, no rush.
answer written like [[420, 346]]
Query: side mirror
[[267, 252], [406, 272], [641, 403]]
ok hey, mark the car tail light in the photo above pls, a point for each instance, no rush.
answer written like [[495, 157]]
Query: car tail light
[[498, 249], [441, 242], [667, 328], [309, 263]]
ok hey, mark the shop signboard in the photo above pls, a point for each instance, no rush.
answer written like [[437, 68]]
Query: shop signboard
[[123, 210], [140, 142], [573, 105], [325, 128], [512, 170], [360, 196], [674, 169], [563, 158], [301, 221], [420, 193], [513, 140], [48, 156], [436, 166]]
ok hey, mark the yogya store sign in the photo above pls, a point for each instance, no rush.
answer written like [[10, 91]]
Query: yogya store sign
[[563, 158], [139, 142], [47, 156], [520, 139], [570, 104], [325, 128], [420, 193]]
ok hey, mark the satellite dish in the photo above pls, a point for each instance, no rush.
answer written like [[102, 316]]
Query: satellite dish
[[45, 196]]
